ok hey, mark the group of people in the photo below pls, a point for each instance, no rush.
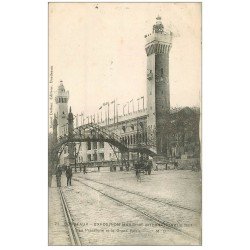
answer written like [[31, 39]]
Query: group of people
[[68, 172], [142, 167]]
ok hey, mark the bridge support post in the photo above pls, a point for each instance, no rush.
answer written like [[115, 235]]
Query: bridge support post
[[71, 146]]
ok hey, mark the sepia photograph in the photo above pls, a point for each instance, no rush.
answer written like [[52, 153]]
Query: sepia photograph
[[124, 124]]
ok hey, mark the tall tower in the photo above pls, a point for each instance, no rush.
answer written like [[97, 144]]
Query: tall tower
[[158, 45], [61, 99]]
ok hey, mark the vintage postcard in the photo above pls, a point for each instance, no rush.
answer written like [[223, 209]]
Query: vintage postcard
[[124, 132]]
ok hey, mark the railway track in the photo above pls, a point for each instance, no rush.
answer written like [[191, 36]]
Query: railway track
[[146, 197], [74, 238], [152, 217]]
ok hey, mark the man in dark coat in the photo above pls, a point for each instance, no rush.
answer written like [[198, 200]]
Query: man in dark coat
[[58, 176], [69, 175], [149, 167]]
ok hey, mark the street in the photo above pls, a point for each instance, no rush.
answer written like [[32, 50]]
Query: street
[[112, 208]]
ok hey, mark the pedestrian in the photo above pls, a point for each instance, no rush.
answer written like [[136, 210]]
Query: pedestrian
[[58, 176], [176, 164], [149, 167], [84, 169], [69, 175], [137, 172]]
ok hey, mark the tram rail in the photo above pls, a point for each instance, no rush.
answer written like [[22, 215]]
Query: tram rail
[[74, 237], [144, 196], [158, 220]]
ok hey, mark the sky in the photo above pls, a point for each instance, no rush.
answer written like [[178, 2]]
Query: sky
[[98, 51]]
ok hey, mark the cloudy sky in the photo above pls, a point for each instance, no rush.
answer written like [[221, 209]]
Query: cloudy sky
[[98, 51]]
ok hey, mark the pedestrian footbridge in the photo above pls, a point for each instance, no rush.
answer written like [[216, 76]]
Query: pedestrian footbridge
[[92, 132]]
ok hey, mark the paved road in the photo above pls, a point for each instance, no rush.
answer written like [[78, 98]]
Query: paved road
[[102, 221]]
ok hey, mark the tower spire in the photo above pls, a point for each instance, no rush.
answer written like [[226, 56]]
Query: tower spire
[[158, 17], [158, 27], [61, 100]]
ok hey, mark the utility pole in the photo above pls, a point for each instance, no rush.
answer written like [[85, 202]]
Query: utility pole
[[138, 99], [117, 113], [108, 113], [143, 102], [101, 112], [124, 107], [132, 104], [113, 102]]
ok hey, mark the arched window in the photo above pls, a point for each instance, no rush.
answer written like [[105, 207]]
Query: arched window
[[123, 128]]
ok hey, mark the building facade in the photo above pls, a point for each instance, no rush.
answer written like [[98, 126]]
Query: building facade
[[169, 133]]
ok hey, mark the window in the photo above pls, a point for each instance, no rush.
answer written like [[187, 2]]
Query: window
[[101, 156], [161, 71], [94, 145], [89, 157]]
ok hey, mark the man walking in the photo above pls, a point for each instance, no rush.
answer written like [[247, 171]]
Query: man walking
[[69, 175], [58, 176]]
